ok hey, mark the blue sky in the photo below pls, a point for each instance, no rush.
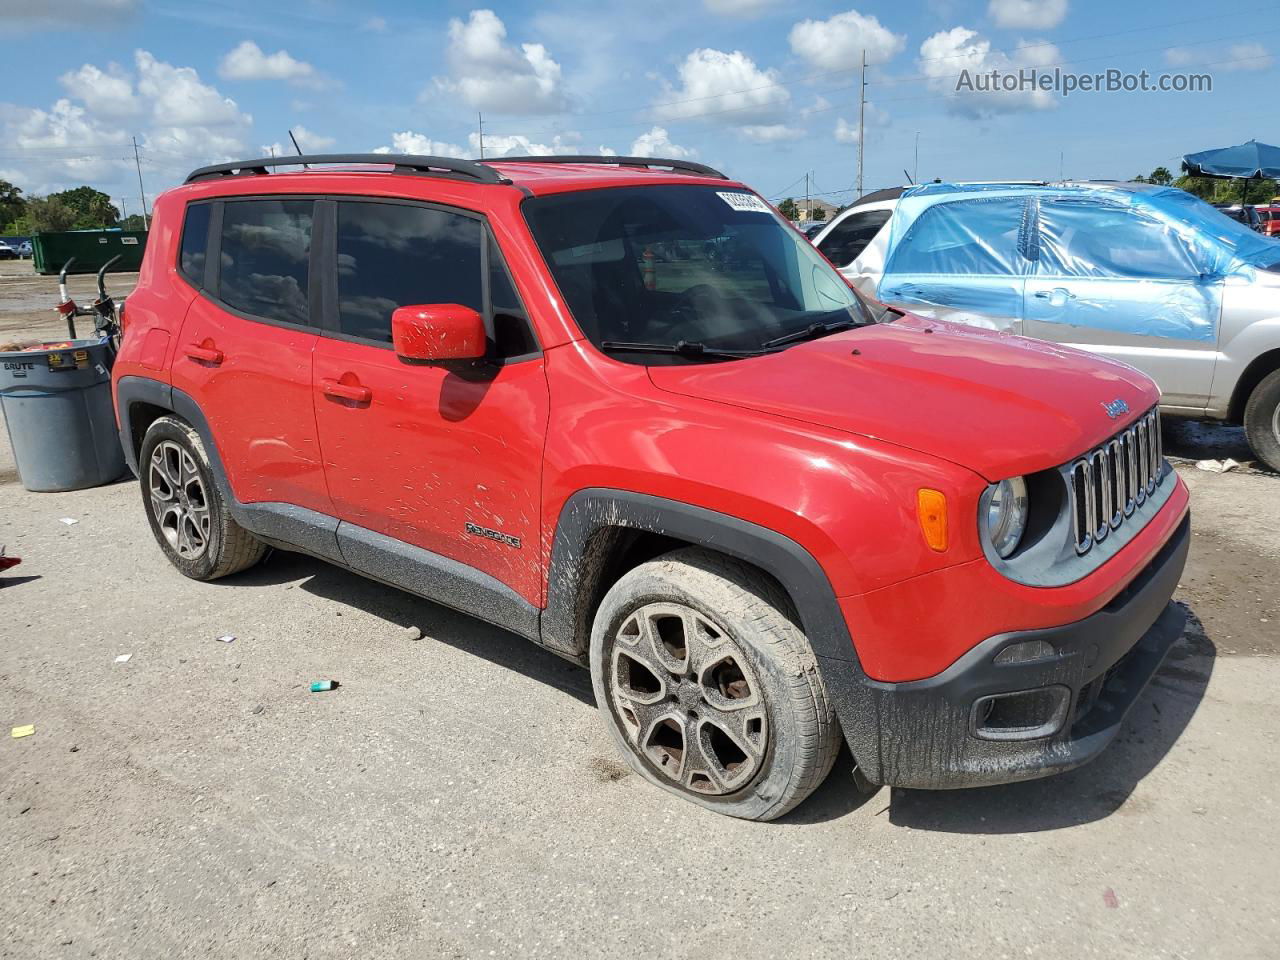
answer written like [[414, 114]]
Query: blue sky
[[764, 89]]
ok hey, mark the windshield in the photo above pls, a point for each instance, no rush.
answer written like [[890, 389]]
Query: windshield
[[671, 263]]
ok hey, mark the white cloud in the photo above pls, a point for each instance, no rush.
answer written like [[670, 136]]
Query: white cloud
[[495, 146], [1248, 56], [58, 14], [874, 117], [769, 132], [520, 145], [249, 62], [406, 141], [945, 55], [1027, 14], [66, 139], [108, 94], [178, 98], [180, 122], [838, 43], [725, 87], [1240, 56], [819, 105], [490, 74], [656, 143], [739, 8], [375, 25]]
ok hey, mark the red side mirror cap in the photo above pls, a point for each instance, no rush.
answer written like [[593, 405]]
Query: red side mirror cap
[[435, 332]]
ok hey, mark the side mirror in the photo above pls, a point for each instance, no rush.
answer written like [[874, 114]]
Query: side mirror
[[436, 332]]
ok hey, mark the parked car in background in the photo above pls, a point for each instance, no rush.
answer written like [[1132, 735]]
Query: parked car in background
[[25, 249], [765, 515], [1270, 218], [1247, 215], [1145, 274], [811, 228], [7, 252]]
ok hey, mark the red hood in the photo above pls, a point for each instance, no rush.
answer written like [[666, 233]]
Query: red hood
[[997, 404]]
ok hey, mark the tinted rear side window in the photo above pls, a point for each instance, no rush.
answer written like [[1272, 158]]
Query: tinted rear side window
[[195, 242], [263, 262], [393, 255], [851, 235]]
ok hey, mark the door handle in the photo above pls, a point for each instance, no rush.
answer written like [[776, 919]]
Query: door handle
[[1055, 294], [207, 355], [346, 391]]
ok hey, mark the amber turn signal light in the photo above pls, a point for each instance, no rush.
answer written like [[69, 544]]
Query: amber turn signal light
[[931, 506]]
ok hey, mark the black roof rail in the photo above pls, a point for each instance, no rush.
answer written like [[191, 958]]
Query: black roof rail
[[681, 166], [403, 163]]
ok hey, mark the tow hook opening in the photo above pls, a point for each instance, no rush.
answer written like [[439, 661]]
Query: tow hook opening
[[1024, 715]]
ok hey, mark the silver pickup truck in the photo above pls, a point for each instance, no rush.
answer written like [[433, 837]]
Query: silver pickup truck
[[1144, 274]]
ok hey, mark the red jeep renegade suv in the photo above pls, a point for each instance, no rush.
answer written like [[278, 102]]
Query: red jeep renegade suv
[[619, 407]]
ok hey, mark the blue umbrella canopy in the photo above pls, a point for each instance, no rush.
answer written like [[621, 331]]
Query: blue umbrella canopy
[[1251, 161]]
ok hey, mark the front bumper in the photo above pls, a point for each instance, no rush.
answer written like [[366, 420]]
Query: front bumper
[[931, 733]]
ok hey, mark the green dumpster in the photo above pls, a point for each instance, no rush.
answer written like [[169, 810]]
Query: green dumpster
[[91, 249]]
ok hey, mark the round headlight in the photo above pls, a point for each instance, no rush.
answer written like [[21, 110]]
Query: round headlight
[[1006, 518]]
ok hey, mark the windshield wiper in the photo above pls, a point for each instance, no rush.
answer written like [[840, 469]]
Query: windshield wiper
[[683, 348], [811, 332]]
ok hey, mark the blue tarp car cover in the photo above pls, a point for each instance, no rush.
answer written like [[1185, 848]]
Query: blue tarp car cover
[[1141, 260]]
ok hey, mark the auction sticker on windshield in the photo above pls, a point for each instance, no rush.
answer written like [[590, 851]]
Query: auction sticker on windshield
[[744, 202]]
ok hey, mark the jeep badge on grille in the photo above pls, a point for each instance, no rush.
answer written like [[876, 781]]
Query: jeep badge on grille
[[1115, 408]]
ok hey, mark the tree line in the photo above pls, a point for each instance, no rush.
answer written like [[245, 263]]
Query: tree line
[[82, 208], [1214, 190]]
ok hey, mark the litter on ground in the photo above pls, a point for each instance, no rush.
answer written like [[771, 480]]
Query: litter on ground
[[68, 520], [227, 638], [320, 686], [1217, 466], [123, 658], [26, 731]]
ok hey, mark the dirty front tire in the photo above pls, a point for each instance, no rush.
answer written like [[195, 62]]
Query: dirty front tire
[[695, 649], [1262, 420], [188, 517]]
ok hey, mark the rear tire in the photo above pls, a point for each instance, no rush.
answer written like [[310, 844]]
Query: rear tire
[[708, 686], [1262, 420], [188, 516]]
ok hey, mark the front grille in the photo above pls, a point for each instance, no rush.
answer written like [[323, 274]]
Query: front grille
[[1110, 482]]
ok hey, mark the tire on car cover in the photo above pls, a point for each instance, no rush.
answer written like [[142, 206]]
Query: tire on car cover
[[1262, 420], [227, 547], [718, 611]]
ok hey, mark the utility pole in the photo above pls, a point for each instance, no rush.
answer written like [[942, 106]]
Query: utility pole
[[480, 118], [141, 189], [862, 118], [808, 212]]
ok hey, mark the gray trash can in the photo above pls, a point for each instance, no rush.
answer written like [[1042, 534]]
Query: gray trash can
[[57, 407]]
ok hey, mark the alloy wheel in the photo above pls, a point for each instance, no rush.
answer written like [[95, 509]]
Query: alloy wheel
[[179, 500], [688, 699]]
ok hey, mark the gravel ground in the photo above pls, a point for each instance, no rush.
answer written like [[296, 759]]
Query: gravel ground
[[458, 796], [28, 301]]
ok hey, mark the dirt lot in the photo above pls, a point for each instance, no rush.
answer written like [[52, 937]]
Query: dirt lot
[[457, 796], [28, 301]]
